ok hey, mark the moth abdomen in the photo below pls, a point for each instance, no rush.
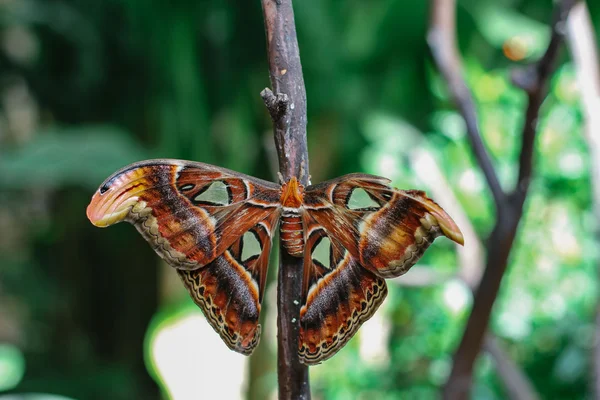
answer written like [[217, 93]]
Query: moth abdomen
[[292, 236]]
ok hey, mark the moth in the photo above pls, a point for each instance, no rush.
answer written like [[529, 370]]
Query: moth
[[215, 227]]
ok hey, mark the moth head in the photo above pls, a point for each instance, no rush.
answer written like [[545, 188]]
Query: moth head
[[292, 193]]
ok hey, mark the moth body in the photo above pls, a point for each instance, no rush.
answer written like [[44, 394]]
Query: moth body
[[292, 232]]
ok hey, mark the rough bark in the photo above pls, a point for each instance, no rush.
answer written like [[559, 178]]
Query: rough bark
[[287, 106]]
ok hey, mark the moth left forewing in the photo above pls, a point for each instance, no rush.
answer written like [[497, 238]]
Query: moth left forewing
[[231, 203], [189, 212], [229, 290], [338, 295]]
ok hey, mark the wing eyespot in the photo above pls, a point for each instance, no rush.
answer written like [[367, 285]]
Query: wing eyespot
[[387, 196]]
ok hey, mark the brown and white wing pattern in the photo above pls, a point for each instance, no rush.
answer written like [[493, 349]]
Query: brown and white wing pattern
[[358, 231], [339, 295], [229, 290], [189, 212], [387, 229], [213, 225]]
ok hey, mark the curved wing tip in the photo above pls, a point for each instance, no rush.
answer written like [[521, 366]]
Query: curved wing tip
[[101, 216], [455, 235], [98, 220], [92, 214], [450, 229]]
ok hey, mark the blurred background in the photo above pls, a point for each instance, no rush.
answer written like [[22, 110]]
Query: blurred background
[[89, 86]]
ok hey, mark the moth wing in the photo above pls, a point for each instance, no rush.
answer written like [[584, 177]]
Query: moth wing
[[387, 230], [189, 212], [230, 289], [338, 295]]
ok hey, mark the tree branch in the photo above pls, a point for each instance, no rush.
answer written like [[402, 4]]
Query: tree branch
[[441, 38], [288, 112], [534, 79]]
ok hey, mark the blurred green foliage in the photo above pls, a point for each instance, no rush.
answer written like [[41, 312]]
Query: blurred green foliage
[[89, 86]]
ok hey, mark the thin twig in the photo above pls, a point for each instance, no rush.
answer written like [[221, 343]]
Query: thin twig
[[441, 38], [534, 79], [581, 40], [288, 112]]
